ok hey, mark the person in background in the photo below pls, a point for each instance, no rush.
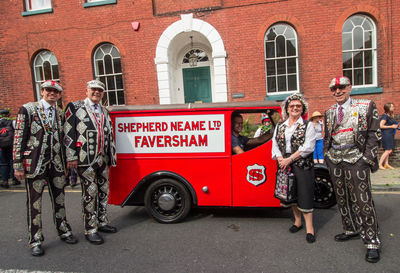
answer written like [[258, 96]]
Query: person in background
[[316, 119], [388, 126], [71, 178], [240, 143], [88, 128], [39, 159], [6, 143], [292, 145], [265, 127], [351, 143]]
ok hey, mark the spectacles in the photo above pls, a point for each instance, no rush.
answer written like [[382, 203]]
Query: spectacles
[[97, 89], [295, 105], [52, 90], [341, 87]]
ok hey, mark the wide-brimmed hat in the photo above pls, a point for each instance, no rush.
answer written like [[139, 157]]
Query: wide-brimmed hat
[[342, 80], [316, 114], [51, 85], [95, 84]]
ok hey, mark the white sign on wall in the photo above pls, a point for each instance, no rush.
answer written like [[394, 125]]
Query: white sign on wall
[[170, 134]]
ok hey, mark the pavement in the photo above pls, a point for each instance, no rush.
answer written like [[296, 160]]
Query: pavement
[[382, 180], [386, 180]]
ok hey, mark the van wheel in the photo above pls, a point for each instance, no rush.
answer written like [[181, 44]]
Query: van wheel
[[324, 196], [167, 201]]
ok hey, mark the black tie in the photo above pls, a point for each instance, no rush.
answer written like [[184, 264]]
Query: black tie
[[96, 111]]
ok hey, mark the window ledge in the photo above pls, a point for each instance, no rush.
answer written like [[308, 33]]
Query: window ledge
[[366, 90], [34, 12], [279, 97], [99, 3]]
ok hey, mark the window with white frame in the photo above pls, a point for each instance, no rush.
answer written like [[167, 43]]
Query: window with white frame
[[45, 67], [31, 5], [107, 67], [359, 50], [281, 59]]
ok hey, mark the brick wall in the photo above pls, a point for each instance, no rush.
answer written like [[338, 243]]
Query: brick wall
[[72, 32]]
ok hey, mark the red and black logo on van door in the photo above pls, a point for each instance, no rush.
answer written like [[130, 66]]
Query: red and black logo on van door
[[256, 174]]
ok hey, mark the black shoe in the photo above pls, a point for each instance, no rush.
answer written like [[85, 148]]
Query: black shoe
[[94, 238], [310, 238], [107, 229], [294, 228], [16, 182], [37, 250], [342, 237], [372, 255], [4, 184], [69, 239]]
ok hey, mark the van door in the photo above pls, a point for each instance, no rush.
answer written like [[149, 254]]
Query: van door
[[253, 178]]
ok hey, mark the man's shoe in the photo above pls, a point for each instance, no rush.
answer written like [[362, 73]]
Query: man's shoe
[[69, 239], [94, 238], [372, 255], [16, 182], [342, 237], [107, 229], [37, 250], [4, 184], [294, 228]]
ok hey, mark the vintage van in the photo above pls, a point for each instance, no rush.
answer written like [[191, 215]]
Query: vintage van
[[171, 158]]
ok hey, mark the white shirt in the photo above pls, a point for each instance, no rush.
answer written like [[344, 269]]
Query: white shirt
[[91, 103], [345, 106], [308, 145]]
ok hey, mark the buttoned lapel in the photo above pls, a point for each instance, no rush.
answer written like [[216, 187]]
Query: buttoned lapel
[[42, 116]]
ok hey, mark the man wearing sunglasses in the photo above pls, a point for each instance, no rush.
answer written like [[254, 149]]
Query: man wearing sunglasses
[[351, 147], [90, 150], [39, 159]]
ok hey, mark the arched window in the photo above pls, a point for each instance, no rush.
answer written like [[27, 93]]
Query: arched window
[[359, 50], [195, 56], [45, 67], [107, 67], [281, 59]]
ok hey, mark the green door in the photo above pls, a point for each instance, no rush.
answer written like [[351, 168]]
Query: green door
[[197, 84]]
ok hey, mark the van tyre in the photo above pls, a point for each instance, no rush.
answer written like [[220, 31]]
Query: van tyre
[[324, 195], [167, 201]]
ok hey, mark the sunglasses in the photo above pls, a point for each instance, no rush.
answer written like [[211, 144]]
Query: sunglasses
[[97, 89], [340, 87], [52, 90]]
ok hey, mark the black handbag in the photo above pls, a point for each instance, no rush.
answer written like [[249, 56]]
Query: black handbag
[[285, 186]]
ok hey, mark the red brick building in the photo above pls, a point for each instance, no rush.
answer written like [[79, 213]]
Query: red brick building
[[166, 51]]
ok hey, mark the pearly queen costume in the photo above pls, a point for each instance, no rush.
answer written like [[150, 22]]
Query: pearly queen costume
[[300, 137], [38, 151], [89, 140], [351, 149]]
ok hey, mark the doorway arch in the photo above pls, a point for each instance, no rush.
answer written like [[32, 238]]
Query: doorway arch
[[174, 43]]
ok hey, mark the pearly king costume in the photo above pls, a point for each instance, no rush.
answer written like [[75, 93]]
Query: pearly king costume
[[89, 140], [38, 151], [351, 149]]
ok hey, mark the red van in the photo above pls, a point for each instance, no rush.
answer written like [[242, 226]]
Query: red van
[[173, 157]]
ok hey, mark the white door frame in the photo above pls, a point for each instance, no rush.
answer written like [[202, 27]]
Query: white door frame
[[162, 61]]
